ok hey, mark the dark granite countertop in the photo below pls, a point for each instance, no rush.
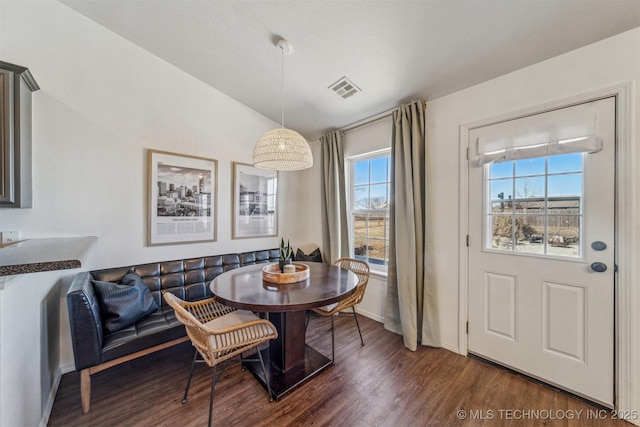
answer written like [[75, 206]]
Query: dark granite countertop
[[47, 254]]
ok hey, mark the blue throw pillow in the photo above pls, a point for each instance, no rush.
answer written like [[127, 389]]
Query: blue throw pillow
[[123, 304]]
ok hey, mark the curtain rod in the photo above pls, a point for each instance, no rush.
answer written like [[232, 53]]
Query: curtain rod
[[371, 119], [367, 122]]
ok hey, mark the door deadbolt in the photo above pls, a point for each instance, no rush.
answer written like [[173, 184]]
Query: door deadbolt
[[599, 267], [598, 245]]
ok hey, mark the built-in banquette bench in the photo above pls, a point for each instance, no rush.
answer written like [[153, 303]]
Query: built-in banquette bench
[[97, 346]]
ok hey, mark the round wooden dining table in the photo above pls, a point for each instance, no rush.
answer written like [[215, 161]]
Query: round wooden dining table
[[289, 360]]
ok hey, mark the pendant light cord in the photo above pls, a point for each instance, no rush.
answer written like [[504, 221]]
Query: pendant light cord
[[282, 86], [282, 149]]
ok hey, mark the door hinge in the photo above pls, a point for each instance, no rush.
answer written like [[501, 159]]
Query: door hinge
[[467, 327], [467, 153], [467, 240]]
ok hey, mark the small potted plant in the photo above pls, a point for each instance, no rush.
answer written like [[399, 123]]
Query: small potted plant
[[286, 253]]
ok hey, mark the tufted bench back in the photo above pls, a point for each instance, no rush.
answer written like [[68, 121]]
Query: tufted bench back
[[188, 279]]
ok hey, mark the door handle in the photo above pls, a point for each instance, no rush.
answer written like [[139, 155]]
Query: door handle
[[599, 267]]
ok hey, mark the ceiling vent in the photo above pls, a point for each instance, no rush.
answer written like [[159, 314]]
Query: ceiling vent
[[345, 88]]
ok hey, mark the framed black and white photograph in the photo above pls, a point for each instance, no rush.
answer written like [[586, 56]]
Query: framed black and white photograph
[[255, 202], [182, 198]]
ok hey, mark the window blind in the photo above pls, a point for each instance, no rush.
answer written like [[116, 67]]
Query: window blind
[[568, 130]]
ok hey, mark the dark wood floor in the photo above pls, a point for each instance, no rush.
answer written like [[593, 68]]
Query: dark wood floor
[[381, 384]]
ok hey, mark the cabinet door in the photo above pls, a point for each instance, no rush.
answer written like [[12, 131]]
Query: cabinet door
[[16, 85], [7, 194]]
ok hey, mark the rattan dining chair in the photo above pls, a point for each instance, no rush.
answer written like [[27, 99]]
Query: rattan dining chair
[[219, 333], [361, 269]]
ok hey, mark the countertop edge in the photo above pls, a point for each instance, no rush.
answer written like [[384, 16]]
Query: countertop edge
[[45, 254]]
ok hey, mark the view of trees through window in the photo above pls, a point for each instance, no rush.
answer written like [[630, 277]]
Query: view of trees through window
[[370, 179]]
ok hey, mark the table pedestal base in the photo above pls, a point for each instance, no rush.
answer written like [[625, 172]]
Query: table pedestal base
[[281, 382]]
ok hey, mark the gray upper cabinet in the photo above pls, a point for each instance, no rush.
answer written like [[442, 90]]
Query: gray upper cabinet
[[16, 86]]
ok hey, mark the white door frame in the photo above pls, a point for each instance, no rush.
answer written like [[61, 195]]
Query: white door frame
[[627, 389]]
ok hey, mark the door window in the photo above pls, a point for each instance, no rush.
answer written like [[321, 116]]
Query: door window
[[534, 206]]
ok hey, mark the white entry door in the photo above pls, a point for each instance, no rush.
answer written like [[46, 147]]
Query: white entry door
[[541, 247]]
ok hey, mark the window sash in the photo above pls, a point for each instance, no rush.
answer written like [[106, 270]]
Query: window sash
[[353, 211]]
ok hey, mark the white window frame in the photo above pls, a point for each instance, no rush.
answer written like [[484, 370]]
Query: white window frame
[[350, 180]]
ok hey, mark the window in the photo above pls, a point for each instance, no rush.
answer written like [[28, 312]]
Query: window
[[272, 191], [535, 205], [369, 207]]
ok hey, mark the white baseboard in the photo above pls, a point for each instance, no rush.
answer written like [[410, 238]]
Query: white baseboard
[[372, 316], [67, 367], [46, 410], [380, 319], [452, 348]]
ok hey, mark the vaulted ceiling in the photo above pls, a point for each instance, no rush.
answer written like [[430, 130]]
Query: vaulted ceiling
[[393, 50]]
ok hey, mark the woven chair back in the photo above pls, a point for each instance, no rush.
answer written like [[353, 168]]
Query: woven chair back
[[195, 329], [361, 269], [216, 346]]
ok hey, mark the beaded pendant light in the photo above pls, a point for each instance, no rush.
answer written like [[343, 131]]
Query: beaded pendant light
[[282, 149]]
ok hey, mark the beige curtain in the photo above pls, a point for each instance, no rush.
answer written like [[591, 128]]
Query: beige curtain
[[335, 234], [411, 300]]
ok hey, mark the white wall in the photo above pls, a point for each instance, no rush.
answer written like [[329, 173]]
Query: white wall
[[29, 324], [103, 102]]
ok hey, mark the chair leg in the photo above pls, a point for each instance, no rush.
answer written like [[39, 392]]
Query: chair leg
[[213, 385], [193, 365], [214, 380], [355, 316]]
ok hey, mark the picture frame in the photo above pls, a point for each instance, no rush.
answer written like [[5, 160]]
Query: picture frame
[[182, 198], [255, 202]]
